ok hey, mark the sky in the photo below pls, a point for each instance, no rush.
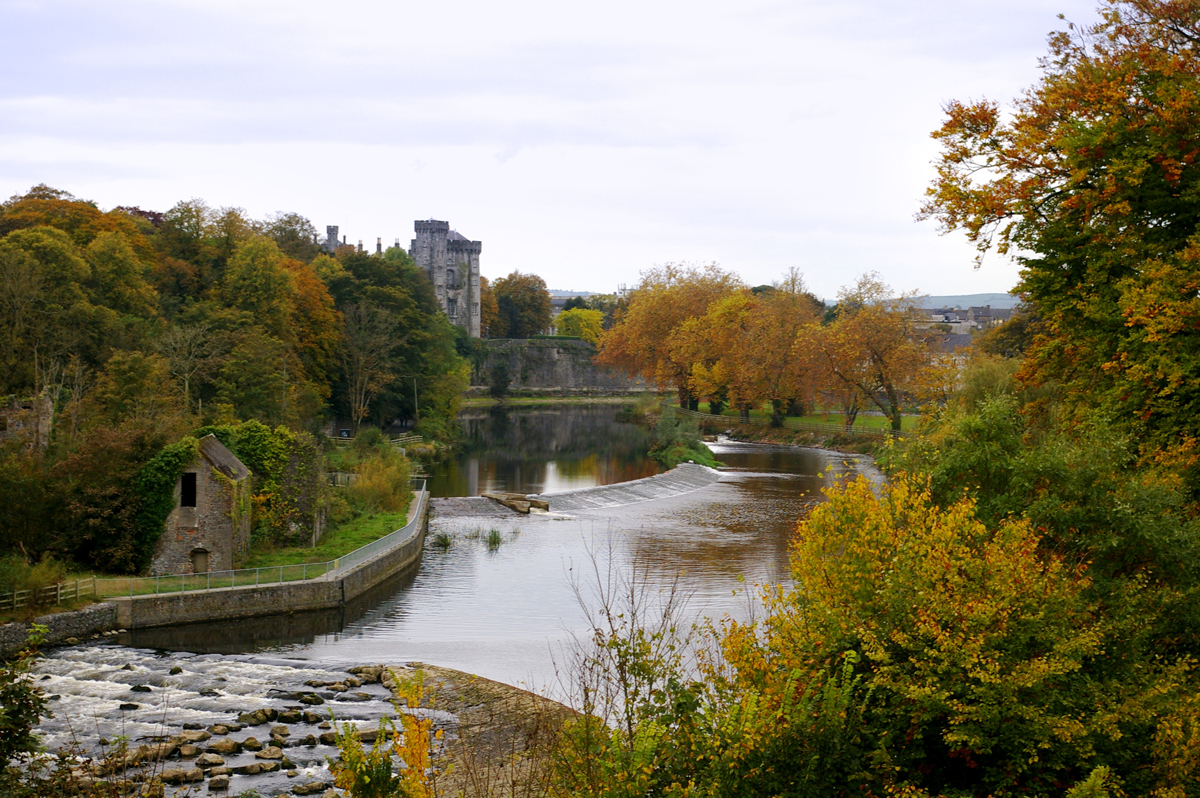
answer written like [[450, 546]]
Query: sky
[[583, 142]]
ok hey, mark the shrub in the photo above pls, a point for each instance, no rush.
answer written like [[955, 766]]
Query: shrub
[[382, 484]]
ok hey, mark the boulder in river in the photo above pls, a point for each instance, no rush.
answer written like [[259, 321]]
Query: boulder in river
[[311, 788], [194, 735], [209, 761], [224, 746], [218, 784], [181, 775], [255, 718], [187, 751], [270, 752], [311, 699], [251, 744]]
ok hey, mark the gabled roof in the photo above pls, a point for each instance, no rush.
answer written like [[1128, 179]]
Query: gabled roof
[[456, 236], [222, 459]]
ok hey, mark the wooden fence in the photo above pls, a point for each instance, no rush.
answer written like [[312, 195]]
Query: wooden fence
[[51, 594]]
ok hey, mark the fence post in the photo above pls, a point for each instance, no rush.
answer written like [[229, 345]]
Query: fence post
[[281, 574], [256, 571], [208, 581], [304, 572]]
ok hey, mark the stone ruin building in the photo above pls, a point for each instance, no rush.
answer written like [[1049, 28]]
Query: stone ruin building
[[449, 258], [209, 529]]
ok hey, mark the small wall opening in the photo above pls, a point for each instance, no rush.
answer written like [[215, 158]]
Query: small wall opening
[[200, 561], [187, 490]]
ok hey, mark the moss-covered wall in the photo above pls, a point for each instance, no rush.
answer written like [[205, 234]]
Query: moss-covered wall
[[564, 363]]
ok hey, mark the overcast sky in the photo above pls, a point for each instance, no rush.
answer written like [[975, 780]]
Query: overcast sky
[[584, 143]]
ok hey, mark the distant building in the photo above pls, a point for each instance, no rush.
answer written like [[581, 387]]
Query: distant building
[[449, 258], [452, 262], [209, 529]]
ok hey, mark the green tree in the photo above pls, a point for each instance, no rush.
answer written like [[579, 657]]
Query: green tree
[[523, 305], [1091, 181], [257, 282]]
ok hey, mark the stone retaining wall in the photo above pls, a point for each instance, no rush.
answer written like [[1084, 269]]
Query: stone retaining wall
[[222, 604], [80, 624]]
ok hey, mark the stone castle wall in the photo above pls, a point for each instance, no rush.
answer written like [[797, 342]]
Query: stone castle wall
[[551, 363], [210, 525]]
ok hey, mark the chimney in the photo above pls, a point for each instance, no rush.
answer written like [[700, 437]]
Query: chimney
[[378, 246], [343, 241], [360, 245]]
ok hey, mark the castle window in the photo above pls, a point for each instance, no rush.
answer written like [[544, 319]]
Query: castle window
[[451, 307], [451, 280], [187, 490], [474, 308]]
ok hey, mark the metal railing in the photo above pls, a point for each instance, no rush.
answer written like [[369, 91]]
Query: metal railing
[[800, 426], [400, 441], [267, 575], [50, 595]]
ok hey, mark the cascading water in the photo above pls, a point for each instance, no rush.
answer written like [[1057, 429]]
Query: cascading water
[[103, 694]]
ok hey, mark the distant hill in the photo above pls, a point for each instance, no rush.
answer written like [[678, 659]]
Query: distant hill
[[968, 300]]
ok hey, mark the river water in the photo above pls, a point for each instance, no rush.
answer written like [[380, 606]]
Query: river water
[[504, 609]]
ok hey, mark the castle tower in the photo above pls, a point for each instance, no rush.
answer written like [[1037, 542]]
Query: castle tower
[[331, 237], [452, 262]]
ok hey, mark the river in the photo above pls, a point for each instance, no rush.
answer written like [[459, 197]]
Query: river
[[505, 609]]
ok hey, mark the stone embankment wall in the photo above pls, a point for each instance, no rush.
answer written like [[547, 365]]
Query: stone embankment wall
[[142, 612], [541, 364], [79, 624]]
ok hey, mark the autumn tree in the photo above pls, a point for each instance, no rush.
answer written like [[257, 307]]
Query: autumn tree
[[580, 323], [639, 341], [1091, 182], [489, 312], [522, 304]]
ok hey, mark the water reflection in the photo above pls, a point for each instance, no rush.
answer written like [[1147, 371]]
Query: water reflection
[[543, 449], [504, 612]]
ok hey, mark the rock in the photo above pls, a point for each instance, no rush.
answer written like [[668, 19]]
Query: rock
[[255, 718], [287, 764], [312, 717], [208, 692], [251, 744], [128, 666], [270, 714], [291, 716], [370, 674], [139, 688], [279, 742], [281, 730], [330, 793], [368, 735], [324, 725], [352, 682], [181, 776], [129, 707], [219, 728], [195, 736], [338, 687], [222, 771], [188, 751], [224, 746], [310, 741], [268, 767], [311, 700], [291, 774], [192, 726], [311, 788], [315, 683], [72, 641], [253, 769], [218, 783], [329, 738], [175, 671], [270, 752], [209, 761]]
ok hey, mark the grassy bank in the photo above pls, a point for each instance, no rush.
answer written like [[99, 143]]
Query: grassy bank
[[521, 401], [341, 541], [907, 422]]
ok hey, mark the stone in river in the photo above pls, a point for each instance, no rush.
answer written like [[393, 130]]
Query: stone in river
[[324, 725], [139, 688], [220, 728], [195, 736], [311, 700], [181, 776], [281, 730], [291, 716], [251, 744], [209, 761], [255, 718], [310, 741], [253, 769], [329, 738], [312, 717], [221, 771], [268, 767], [192, 727], [271, 752], [311, 788], [129, 707], [223, 746], [218, 783], [176, 671], [188, 751]]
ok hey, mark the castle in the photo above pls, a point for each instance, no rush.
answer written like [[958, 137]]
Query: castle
[[452, 262]]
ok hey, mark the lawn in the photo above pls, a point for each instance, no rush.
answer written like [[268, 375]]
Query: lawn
[[907, 421], [338, 542]]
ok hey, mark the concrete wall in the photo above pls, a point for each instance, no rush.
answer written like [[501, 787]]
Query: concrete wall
[[80, 624], [550, 363], [140, 612]]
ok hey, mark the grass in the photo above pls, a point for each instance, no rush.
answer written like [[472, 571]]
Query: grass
[[907, 421], [346, 538], [511, 401]]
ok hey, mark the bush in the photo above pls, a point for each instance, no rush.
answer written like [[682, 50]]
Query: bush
[[382, 484]]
